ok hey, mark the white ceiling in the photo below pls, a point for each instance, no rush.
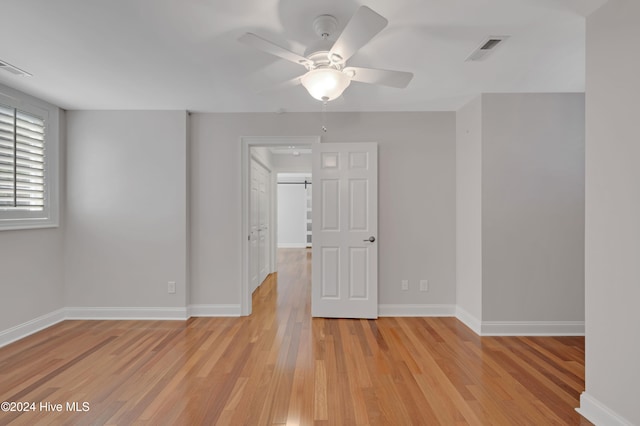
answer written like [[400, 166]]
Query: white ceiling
[[184, 54]]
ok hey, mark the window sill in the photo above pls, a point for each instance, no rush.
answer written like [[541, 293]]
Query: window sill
[[20, 224]]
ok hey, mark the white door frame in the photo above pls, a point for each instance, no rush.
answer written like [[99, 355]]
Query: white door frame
[[247, 142]]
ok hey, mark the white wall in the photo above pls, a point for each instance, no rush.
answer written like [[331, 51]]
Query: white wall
[[416, 197], [292, 210], [533, 207], [31, 264], [469, 210], [613, 215], [126, 209]]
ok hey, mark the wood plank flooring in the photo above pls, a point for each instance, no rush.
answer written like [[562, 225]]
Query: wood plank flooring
[[280, 367]]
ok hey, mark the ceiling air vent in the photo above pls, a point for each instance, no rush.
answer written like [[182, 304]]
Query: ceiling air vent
[[13, 69], [488, 46]]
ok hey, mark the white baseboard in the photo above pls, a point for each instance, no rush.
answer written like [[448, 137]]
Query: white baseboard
[[23, 330], [485, 328], [109, 313], [532, 328], [469, 320], [598, 413], [416, 310], [102, 313], [292, 245], [214, 310]]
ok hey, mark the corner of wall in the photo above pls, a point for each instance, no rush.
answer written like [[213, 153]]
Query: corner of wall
[[598, 413], [469, 320], [30, 327]]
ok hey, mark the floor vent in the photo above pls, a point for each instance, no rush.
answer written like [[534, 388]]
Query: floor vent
[[488, 46]]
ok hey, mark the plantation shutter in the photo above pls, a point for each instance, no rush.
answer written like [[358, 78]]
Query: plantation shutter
[[22, 160]]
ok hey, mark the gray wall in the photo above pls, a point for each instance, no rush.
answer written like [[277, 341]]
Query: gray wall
[[469, 210], [533, 207], [129, 229], [126, 209], [31, 261], [32, 275], [290, 163], [416, 197], [613, 210], [520, 209]]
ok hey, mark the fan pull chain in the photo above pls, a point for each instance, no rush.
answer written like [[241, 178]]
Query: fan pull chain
[[324, 116]]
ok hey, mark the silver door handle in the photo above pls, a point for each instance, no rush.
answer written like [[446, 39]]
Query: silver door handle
[[370, 240]]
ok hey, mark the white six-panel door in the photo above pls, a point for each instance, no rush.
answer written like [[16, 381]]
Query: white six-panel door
[[345, 230]]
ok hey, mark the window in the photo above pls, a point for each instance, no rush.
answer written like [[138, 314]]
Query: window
[[28, 162]]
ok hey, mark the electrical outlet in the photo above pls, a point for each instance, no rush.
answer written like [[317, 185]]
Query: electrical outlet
[[424, 285], [404, 284], [171, 288]]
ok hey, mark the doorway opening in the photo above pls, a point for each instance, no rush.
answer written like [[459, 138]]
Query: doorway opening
[[344, 236], [294, 210], [263, 159]]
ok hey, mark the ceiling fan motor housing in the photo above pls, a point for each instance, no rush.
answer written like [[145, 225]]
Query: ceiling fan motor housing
[[325, 25], [318, 53]]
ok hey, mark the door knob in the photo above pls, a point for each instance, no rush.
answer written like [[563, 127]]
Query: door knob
[[370, 239]]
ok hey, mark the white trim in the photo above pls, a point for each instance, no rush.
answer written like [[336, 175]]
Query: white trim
[[49, 217], [246, 143], [598, 413], [292, 245], [469, 320], [219, 310], [412, 310], [109, 313], [487, 328], [532, 328], [33, 326]]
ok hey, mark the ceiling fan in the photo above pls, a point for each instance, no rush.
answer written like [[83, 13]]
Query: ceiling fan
[[327, 75]]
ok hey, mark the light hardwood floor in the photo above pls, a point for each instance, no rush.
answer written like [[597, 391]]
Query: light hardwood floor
[[280, 367]]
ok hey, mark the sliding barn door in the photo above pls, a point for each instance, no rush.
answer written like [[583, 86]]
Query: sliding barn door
[[345, 228]]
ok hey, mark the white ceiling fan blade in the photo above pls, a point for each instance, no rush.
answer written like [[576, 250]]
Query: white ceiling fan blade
[[362, 27], [398, 79], [269, 47], [285, 84]]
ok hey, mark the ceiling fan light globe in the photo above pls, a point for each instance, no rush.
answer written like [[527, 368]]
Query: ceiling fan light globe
[[325, 84]]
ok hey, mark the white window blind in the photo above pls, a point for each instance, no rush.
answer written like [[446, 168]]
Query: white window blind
[[29, 178], [22, 160]]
